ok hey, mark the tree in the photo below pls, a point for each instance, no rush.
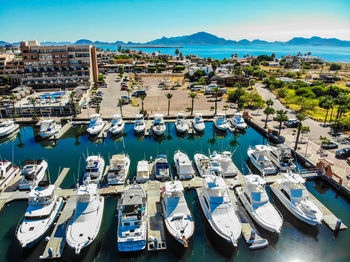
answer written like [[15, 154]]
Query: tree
[[142, 97], [121, 102], [216, 92], [181, 56], [169, 96], [128, 91], [119, 48], [33, 102], [301, 117], [335, 67], [193, 96], [73, 104], [13, 99], [281, 117], [268, 111], [269, 102], [342, 100], [326, 103], [177, 51]]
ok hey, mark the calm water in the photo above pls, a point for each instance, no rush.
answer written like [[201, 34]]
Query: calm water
[[297, 242], [329, 53]]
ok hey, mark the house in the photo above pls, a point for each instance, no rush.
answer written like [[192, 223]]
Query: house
[[230, 80]]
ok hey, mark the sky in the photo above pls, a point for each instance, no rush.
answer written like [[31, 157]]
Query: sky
[[146, 20]]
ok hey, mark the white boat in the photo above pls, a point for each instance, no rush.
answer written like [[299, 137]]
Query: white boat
[[177, 216], [94, 169], [220, 122], [140, 124], [183, 165], [180, 124], [33, 172], [96, 125], [7, 172], [118, 169], [7, 127], [117, 125], [158, 126], [161, 168], [293, 177], [218, 209], [49, 128], [237, 121], [282, 157], [228, 169], [198, 123], [132, 220], [256, 201], [207, 166], [43, 209], [142, 171], [85, 224], [260, 158]]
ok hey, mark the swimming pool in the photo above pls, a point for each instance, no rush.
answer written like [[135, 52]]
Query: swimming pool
[[52, 95]]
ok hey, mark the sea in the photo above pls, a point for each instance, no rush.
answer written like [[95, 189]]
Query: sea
[[297, 241], [328, 53]]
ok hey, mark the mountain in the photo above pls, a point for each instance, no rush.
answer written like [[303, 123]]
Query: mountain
[[84, 42], [200, 38], [315, 40], [55, 43]]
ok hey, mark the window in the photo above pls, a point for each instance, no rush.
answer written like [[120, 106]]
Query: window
[[247, 197], [285, 193]]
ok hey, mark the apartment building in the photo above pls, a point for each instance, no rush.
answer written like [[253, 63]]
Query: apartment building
[[11, 66]]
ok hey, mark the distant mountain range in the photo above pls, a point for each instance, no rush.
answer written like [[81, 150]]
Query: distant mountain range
[[203, 38]]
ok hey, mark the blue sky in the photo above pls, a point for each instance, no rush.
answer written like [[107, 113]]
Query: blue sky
[[145, 20]]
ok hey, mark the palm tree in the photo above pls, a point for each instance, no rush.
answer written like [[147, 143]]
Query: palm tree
[[13, 99], [268, 111], [216, 91], [301, 118], [341, 101], [177, 51], [192, 95], [142, 97], [73, 104], [281, 117], [33, 102], [326, 103], [169, 96], [121, 102], [269, 102]]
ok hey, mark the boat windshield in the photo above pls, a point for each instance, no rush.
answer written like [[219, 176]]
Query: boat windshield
[[32, 218], [91, 170]]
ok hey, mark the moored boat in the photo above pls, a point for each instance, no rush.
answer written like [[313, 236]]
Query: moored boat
[[49, 128], [142, 171], [33, 172], [140, 124], [228, 169], [94, 169], [259, 156], [7, 127], [7, 172], [96, 125], [237, 121], [220, 122], [117, 125], [118, 169], [183, 165], [161, 168], [180, 124], [158, 126], [198, 123]]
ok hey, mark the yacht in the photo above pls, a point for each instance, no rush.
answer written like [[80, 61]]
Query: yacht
[[43, 209], [293, 177], [218, 209], [117, 125], [7, 172], [198, 123], [96, 125], [132, 220], [282, 157], [220, 122], [180, 124], [118, 169], [7, 127], [177, 216], [158, 126], [94, 169], [32, 173], [142, 171], [49, 128], [237, 121], [161, 167], [256, 201], [260, 158], [228, 169], [183, 165], [140, 124], [207, 166], [85, 223]]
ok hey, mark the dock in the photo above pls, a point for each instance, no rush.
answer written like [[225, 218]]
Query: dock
[[61, 177], [105, 130], [148, 129], [63, 130]]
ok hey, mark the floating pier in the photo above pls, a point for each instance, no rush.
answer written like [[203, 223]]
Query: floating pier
[[148, 129], [63, 130], [105, 130], [61, 176]]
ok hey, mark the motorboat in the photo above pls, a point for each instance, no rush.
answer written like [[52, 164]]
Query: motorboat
[[161, 167], [117, 125], [180, 124], [140, 124], [43, 209], [94, 169], [198, 123], [85, 223], [177, 216], [132, 219], [219, 210], [237, 121], [158, 126], [33, 172], [7, 127], [49, 128], [142, 171], [183, 165], [118, 169], [207, 166], [256, 201], [281, 156], [96, 125], [220, 122], [260, 158], [7, 172], [228, 169]]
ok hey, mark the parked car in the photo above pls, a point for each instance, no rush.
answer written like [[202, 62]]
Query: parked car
[[292, 123], [329, 145], [139, 93], [343, 153], [232, 106], [124, 88]]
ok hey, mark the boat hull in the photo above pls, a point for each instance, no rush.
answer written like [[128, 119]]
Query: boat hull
[[9, 131]]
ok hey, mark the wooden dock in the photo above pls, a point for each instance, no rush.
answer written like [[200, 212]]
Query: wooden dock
[[148, 129], [105, 130], [61, 176], [63, 130]]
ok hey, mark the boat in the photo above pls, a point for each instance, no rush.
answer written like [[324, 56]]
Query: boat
[[198, 123], [117, 125], [96, 125], [33, 172], [260, 158], [237, 121], [85, 223], [118, 169], [228, 169], [177, 216], [207, 166], [140, 124], [161, 167], [43, 209], [281, 156], [49, 128], [293, 177], [220, 122], [158, 126], [183, 165], [256, 201], [132, 219], [180, 124], [7, 127], [94, 169], [218, 209], [7, 172], [142, 171]]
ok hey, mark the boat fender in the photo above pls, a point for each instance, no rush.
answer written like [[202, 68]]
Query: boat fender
[[47, 239]]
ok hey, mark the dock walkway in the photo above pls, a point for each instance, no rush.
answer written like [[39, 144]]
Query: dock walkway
[[61, 176], [63, 130], [148, 128], [105, 130]]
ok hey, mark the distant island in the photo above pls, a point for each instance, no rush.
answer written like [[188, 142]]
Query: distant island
[[202, 38]]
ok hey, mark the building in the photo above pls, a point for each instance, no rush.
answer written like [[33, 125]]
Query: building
[[58, 66], [11, 66], [230, 80]]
